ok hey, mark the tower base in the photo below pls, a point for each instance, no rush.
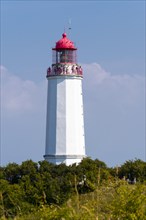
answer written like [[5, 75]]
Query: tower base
[[66, 159]]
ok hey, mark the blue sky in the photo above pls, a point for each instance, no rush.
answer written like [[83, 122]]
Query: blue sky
[[110, 36]]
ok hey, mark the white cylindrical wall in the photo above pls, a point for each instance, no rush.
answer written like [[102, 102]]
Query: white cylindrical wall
[[65, 141]]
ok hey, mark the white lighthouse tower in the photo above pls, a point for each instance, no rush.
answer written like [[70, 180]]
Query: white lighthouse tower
[[65, 139]]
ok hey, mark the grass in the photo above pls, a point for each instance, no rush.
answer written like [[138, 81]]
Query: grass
[[117, 201]]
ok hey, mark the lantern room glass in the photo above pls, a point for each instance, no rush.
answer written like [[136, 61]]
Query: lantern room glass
[[64, 56]]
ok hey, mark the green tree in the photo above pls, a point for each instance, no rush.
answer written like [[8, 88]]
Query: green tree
[[12, 173], [11, 199], [133, 169], [96, 171], [129, 202], [28, 167]]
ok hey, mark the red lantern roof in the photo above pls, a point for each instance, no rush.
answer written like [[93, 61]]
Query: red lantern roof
[[64, 43]]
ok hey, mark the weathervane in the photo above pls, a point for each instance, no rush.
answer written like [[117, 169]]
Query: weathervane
[[69, 26]]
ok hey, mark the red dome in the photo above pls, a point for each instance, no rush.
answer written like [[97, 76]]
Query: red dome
[[64, 43]]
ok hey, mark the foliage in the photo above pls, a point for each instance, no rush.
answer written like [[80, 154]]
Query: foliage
[[117, 201], [89, 190], [129, 202], [133, 169]]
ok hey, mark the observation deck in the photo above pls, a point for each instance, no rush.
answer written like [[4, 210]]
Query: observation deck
[[65, 70]]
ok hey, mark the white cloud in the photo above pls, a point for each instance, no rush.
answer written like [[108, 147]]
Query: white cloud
[[126, 89], [20, 95], [95, 73]]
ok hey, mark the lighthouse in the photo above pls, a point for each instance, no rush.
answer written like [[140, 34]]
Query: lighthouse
[[65, 138]]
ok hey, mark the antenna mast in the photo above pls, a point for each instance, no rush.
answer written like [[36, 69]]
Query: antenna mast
[[69, 26]]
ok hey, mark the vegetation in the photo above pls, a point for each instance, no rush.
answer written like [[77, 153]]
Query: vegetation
[[90, 190]]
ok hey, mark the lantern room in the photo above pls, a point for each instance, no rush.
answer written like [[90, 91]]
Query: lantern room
[[65, 51]]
